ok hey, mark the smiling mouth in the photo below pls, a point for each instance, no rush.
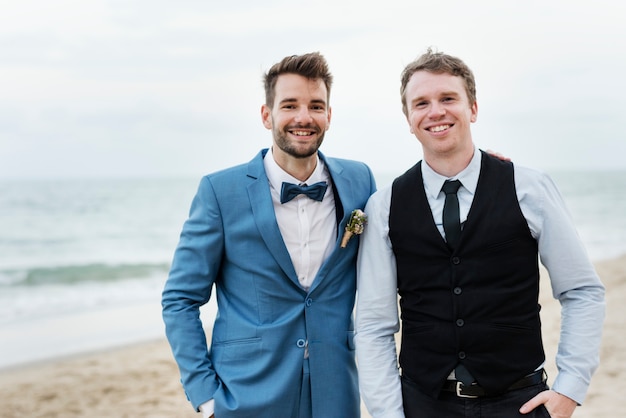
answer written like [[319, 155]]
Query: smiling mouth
[[301, 133], [439, 128]]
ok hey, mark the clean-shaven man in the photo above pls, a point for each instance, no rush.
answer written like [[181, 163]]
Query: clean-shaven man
[[457, 237]]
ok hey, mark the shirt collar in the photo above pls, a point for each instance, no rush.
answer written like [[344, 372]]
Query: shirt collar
[[277, 175], [433, 181]]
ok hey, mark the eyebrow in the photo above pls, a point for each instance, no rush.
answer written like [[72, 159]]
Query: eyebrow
[[442, 94], [450, 93], [293, 100]]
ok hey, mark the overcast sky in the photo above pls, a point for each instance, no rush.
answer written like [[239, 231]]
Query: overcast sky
[[122, 88]]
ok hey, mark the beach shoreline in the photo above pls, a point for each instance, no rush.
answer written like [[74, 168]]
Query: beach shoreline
[[140, 378]]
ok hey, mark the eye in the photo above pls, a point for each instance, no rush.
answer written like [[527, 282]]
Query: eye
[[317, 105]]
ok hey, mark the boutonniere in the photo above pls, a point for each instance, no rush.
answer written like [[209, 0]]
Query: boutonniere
[[355, 225]]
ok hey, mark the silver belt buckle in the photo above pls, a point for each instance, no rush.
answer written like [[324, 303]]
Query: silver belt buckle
[[461, 395]]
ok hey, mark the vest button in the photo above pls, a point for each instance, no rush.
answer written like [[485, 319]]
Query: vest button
[[456, 260], [460, 322], [462, 355], [458, 291]]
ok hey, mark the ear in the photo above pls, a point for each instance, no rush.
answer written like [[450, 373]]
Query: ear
[[266, 116], [329, 117], [474, 115]]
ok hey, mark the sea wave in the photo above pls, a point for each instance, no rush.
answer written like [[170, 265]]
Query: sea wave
[[73, 274]]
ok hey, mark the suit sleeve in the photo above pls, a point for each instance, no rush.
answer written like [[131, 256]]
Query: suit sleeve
[[194, 269]]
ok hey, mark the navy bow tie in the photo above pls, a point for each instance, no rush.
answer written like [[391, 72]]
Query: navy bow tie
[[315, 191]]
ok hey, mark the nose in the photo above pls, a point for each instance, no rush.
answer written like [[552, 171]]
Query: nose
[[436, 111], [303, 115]]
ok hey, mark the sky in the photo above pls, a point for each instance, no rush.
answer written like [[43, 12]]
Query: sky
[[137, 88]]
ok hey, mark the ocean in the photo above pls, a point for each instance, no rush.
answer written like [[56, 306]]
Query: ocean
[[83, 262]]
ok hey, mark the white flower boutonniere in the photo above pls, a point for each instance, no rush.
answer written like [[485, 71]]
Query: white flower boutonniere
[[355, 225]]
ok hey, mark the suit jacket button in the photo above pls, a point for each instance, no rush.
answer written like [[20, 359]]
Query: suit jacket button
[[300, 343], [309, 302]]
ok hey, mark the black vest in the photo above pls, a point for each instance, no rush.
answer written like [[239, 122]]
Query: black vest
[[477, 305]]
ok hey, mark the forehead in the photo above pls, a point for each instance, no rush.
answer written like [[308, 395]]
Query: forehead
[[297, 87], [425, 84]]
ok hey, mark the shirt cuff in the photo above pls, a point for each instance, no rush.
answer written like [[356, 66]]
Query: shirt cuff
[[207, 409], [571, 387]]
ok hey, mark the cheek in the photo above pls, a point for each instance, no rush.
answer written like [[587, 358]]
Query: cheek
[[277, 122], [323, 122]]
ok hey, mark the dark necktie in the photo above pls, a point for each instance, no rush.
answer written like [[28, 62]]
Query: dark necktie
[[452, 228], [451, 218], [315, 191], [463, 375]]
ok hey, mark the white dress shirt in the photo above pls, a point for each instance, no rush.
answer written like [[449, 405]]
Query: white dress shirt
[[573, 279], [308, 227]]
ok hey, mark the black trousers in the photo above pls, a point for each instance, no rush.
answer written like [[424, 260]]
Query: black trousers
[[448, 405]]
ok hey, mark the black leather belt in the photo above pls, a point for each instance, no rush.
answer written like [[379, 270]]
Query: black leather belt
[[476, 391]]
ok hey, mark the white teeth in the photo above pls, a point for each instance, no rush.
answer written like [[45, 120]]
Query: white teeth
[[301, 133], [439, 128]]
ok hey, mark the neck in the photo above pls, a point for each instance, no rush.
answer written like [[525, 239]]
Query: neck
[[450, 164], [299, 168]]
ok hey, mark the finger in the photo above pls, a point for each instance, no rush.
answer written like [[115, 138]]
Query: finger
[[533, 403], [498, 155]]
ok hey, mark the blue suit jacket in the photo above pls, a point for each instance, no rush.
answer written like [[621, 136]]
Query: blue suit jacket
[[254, 364]]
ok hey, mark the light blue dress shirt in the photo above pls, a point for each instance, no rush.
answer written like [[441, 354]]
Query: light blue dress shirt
[[572, 276]]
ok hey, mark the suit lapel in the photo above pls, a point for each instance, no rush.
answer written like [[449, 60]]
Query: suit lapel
[[344, 196], [342, 185], [265, 217]]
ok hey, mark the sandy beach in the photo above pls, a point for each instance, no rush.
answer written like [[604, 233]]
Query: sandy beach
[[141, 380]]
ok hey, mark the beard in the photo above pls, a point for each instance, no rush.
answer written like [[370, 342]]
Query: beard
[[282, 141]]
